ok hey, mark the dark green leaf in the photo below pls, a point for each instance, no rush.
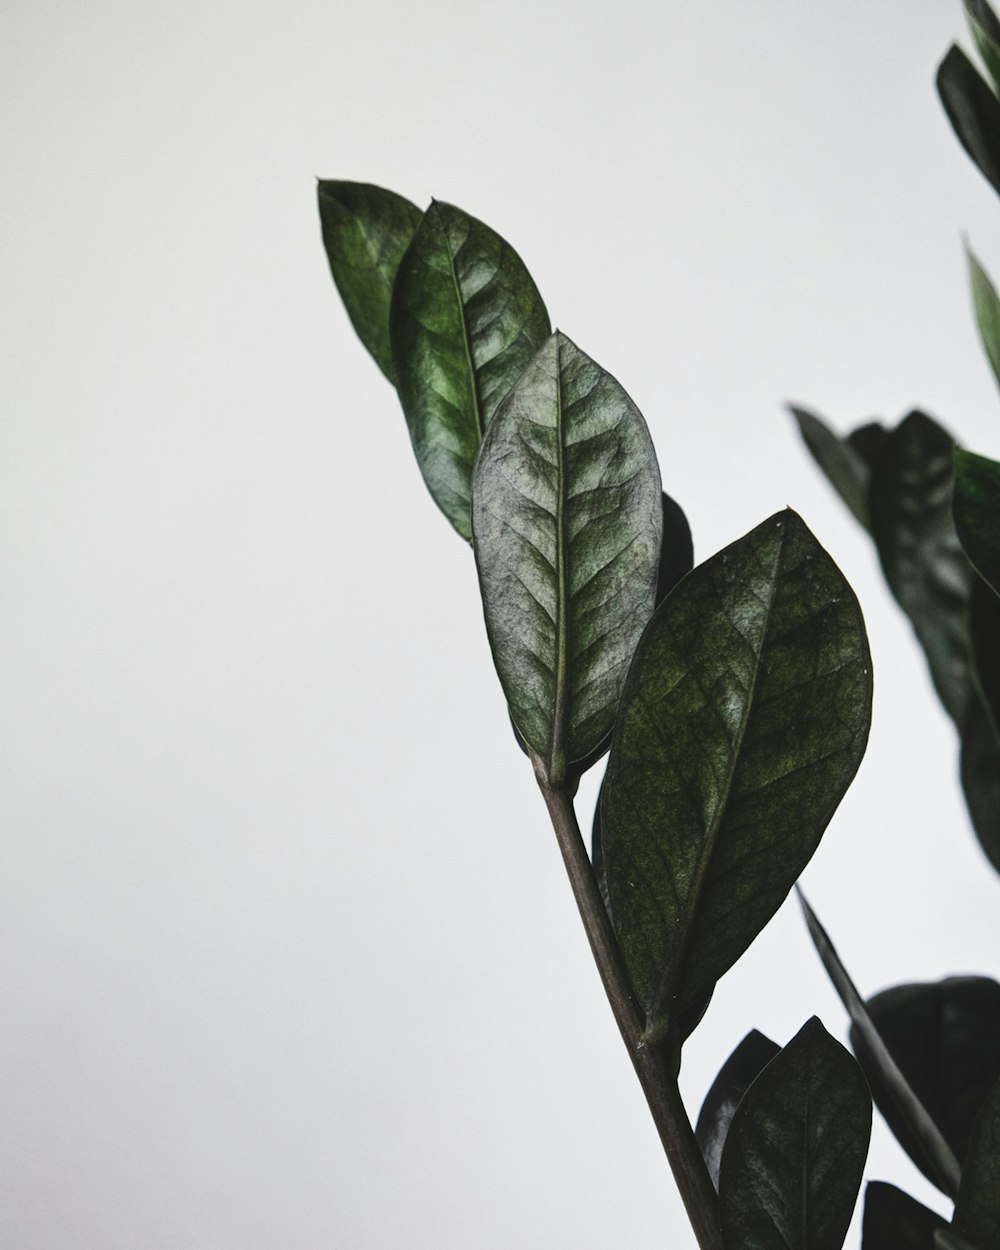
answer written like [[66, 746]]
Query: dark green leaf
[[984, 625], [937, 1158], [986, 31], [677, 552], [973, 111], [743, 720], [987, 306], [948, 1239], [847, 469], [923, 562], [735, 1077], [868, 441], [366, 230], [977, 1211], [980, 772], [895, 1221], [977, 512], [945, 1037], [796, 1148], [568, 526], [466, 319]]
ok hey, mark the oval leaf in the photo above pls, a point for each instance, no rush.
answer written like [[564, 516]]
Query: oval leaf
[[735, 1077], [977, 513], [973, 110], [987, 307], [366, 230], [466, 318], [895, 1221], [937, 1159], [847, 470], [743, 720], [568, 527], [986, 31], [793, 1159], [977, 1211]]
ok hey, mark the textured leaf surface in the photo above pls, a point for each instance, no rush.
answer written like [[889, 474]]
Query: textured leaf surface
[[977, 1211], [987, 307], [937, 1158], [986, 31], [735, 1077], [743, 720], [945, 1037], [366, 230], [846, 468], [796, 1148], [977, 512], [923, 562], [973, 111], [895, 1221], [466, 319], [568, 526]]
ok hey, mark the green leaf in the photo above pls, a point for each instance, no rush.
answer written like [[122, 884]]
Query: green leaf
[[796, 1148], [568, 526], [948, 1239], [977, 512], [984, 628], [977, 1210], [987, 307], [980, 774], [895, 1221], [366, 230], [844, 465], [923, 562], [938, 1159], [986, 31], [677, 551], [973, 110], [945, 1037], [735, 1077], [743, 720], [466, 319]]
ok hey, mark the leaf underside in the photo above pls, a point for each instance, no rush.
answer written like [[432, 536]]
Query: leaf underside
[[568, 526], [796, 1148], [466, 318], [735, 1077], [743, 720]]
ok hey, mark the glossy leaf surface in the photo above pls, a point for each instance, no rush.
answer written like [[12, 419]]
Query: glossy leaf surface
[[987, 308], [568, 525], [977, 1211], [937, 1160], [796, 1148], [366, 230], [945, 1036], [735, 1077], [986, 31], [923, 562], [743, 720], [895, 1221], [846, 468], [466, 319], [973, 111], [977, 512]]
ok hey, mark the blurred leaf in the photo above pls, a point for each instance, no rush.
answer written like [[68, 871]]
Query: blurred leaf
[[743, 720], [366, 230], [923, 562], [984, 628], [973, 110], [945, 1037], [937, 1160], [948, 1239], [868, 441], [977, 1211], [736, 1075], [977, 512], [986, 32], [980, 773], [568, 525], [466, 319], [895, 1221], [796, 1148], [845, 466], [987, 306]]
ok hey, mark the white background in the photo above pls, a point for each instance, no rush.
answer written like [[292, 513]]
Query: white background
[[286, 955]]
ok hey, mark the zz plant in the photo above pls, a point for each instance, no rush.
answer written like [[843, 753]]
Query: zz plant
[[733, 702]]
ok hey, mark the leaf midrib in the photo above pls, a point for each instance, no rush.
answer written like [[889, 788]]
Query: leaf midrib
[[466, 344], [557, 751], [661, 1004]]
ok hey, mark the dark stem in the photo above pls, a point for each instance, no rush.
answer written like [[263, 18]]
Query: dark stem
[[651, 1063]]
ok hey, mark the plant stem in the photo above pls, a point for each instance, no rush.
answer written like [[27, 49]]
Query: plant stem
[[655, 1075]]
